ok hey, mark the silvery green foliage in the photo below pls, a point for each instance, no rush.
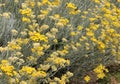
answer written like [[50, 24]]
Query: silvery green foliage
[[6, 25], [79, 63]]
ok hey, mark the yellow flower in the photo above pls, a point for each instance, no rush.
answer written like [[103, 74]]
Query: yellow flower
[[73, 33], [27, 70], [118, 0], [73, 12], [44, 2], [24, 19], [92, 19], [12, 81], [35, 36], [64, 21], [54, 68], [80, 27], [64, 40], [55, 41], [45, 67], [14, 32], [90, 33], [87, 78], [37, 50], [101, 45], [97, 1], [101, 75], [26, 11], [71, 5], [52, 82], [23, 82], [44, 12], [7, 69], [41, 74], [44, 27], [2, 49], [13, 45], [56, 2], [69, 74], [62, 82], [99, 70], [65, 51], [54, 30], [6, 14], [32, 4], [107, 4], [4, 62], [15, 73], [57, 16]]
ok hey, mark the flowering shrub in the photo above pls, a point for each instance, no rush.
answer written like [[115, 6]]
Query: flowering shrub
[[47, 41]]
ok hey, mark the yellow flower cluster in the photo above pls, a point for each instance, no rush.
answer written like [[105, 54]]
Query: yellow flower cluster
[[54, 60], [24, 19], [26, 11], [63, 80], [26, 70], [13, 46], [100, 71], [7, 68], [71, 5], [56, 2], [6, 15], [35, 36], [39, 49], [64, 21], [72, 9], [16, 44], [39, 74], [60, 21]]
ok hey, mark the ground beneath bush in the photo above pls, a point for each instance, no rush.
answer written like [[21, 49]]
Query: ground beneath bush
[[112, 77]]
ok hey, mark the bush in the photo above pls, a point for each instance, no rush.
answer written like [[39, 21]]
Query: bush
[[47, 41]]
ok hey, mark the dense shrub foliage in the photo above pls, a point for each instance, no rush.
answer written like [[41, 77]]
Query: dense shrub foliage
[[51, 41]]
